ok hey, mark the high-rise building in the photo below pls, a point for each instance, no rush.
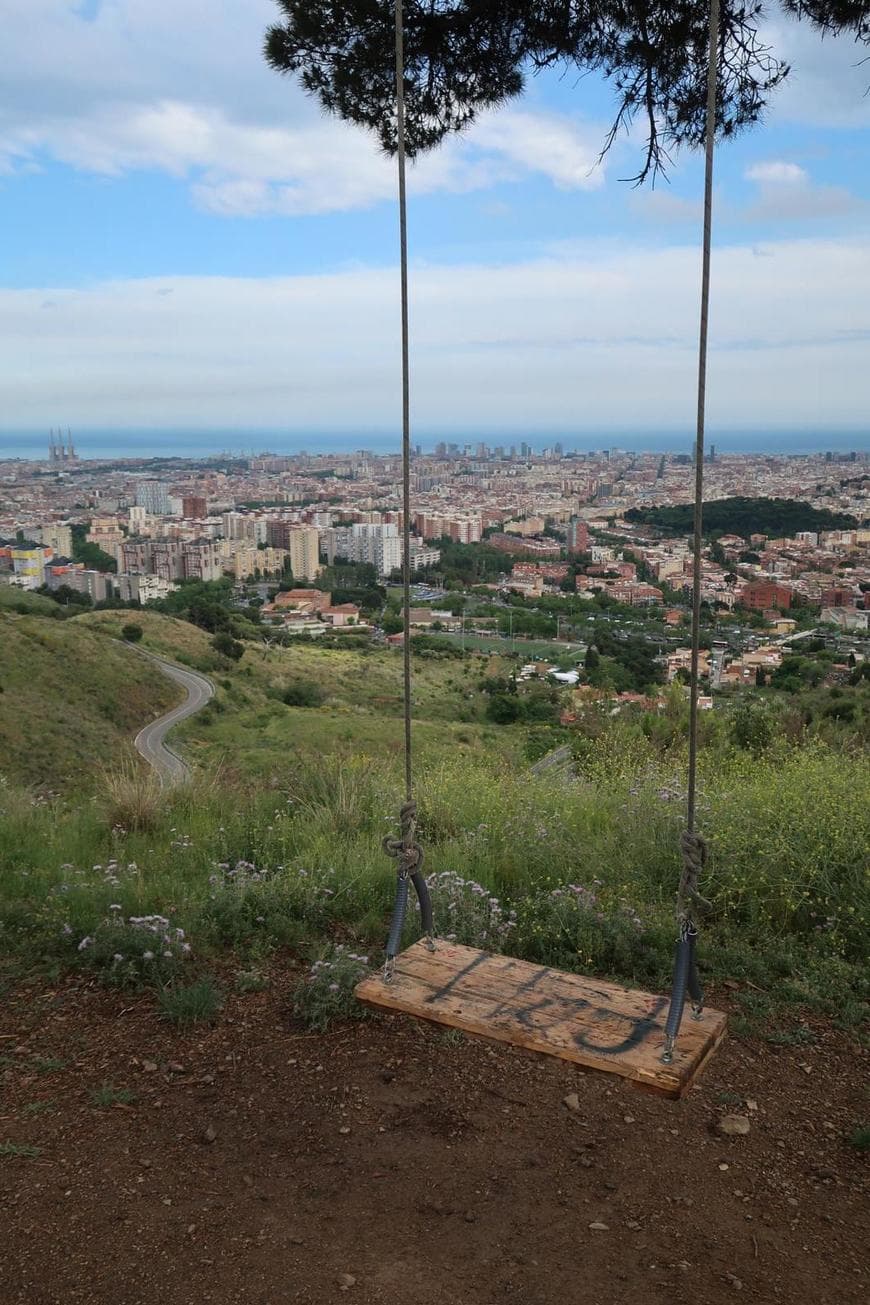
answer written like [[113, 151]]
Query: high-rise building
[[152, 496], [578, 536], [194, 507], [303, 545], [201, 560], [58, 538]]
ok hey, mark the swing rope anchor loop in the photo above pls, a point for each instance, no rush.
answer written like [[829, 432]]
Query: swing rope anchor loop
[[408, 854]]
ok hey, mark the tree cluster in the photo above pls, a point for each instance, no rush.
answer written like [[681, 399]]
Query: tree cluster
[[465, 56], [775, 517]]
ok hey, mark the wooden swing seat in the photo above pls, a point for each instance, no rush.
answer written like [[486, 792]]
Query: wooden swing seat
[[599, 1025]]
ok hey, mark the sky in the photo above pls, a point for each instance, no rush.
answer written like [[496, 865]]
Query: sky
[[186, 242]]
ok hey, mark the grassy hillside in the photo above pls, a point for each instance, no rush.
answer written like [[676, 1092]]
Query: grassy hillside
[[13, 599], [71, 699], [277, 842], [250, 729]]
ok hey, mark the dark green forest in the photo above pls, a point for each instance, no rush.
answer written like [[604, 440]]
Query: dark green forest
[[775, 517]]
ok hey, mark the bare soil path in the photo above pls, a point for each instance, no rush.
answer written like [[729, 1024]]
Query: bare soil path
[[388, 1163]]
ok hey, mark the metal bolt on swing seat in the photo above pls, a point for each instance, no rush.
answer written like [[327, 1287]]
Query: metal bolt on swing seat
[[668, 1053], [389, 964]]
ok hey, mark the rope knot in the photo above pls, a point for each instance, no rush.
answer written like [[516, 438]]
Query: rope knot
[[406, 849], [693, 848]]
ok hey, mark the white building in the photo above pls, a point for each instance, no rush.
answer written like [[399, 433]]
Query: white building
[[142, 588], [152, 496]]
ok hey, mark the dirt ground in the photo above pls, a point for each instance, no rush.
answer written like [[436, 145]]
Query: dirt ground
[[387, 1162]]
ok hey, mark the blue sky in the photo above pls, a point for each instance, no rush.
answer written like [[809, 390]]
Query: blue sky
[[184, 241]]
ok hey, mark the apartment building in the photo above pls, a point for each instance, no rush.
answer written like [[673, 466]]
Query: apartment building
[[58, 538]]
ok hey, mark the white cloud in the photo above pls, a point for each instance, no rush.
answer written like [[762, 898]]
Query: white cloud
[[777, 173], [546, 143], [787, 193], [602, 336], [827, 85], [184, 89]]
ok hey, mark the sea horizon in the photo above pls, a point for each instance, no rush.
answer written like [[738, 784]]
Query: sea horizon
[[102, 444]]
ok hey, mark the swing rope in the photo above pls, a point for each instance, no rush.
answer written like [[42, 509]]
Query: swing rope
[[693, 847], [405, 849]]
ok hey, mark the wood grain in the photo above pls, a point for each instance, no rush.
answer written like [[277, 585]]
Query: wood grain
[[599, 1025]]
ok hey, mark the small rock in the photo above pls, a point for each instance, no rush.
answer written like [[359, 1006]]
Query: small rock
[[632, 1224], [345, 1281], [344, 1131], [724, 1168], [175, 1068], [734, 1280], [752, 1106], [209, 1133], [571, 1101], [149, 1066], [470, 1217], [598, 1226], [628, 1119], [733, 1125]]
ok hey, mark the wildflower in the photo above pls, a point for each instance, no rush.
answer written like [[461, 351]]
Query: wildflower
[[147, 956], [85, 942], [117, 958]]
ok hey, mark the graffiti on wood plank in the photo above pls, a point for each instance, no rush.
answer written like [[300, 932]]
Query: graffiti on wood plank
[[558, 1010]]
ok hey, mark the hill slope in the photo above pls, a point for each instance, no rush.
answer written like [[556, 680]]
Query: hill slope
[[71, 699], [250, 727]]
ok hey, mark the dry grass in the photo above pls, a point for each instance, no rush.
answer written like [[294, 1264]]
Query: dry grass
[[132, 795]]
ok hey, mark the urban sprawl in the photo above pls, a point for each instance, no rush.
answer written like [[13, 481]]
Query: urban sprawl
[[562, 521]]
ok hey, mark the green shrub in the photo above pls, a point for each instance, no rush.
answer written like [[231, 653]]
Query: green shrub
[[303, 693], [197, 1003], [859, 1138], [132, 951], [107, 1095], [326, 994]]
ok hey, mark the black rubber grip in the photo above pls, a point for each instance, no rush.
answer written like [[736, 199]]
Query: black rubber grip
[[425, 901], [696, 992], [678, 989]]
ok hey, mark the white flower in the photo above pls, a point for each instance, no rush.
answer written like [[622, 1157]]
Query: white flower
[[85, 942], [147, 956]]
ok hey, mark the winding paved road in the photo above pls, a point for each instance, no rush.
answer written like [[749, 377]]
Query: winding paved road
[[150, 741]]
